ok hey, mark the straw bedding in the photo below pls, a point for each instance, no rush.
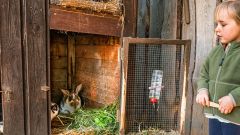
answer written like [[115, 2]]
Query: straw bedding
[[101, 6]]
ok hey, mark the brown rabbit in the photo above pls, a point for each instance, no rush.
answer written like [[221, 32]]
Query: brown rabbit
[[70, 101]]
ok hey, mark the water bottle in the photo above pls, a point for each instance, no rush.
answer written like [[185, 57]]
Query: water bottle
[[156, 85]]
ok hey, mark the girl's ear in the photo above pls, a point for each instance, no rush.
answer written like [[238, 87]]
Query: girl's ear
[[65, 92], [78, 89]]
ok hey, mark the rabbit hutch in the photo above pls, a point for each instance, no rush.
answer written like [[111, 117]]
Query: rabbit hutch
[[111, 51]]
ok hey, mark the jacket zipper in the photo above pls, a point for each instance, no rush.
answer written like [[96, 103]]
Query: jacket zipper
[[219, 72]]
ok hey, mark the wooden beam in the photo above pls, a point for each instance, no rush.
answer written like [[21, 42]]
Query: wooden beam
[[76, 21], [130, 20]]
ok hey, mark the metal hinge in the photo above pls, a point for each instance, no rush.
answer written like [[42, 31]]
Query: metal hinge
[[122, 53], [7, 95], [45, 88]]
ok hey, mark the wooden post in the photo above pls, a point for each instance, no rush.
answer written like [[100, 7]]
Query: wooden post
[[35, 41], [71, 62]]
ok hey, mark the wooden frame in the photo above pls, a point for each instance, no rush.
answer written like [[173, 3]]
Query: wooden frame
[[76, 21], [128, 41]]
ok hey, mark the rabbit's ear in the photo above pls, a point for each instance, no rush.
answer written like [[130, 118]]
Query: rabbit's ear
[[65, 92], [78, 89]]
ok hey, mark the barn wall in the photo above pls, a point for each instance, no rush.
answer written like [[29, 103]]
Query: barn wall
[[201, 32], [96, 64]]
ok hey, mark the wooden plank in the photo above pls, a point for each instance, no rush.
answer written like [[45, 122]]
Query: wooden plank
[[186, 11], [130, 18], [59, 75], [188, 32], [156, 18], [58, 62], [71, 62], [76, 21], [143, 19], [35, 14], [11, 66], [156, 41], [122, 128], [201, 45]]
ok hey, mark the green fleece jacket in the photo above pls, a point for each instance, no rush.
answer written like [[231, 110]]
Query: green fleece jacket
[[220, 75]]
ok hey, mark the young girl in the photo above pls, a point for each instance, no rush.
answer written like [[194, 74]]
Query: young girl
[[219, 80]]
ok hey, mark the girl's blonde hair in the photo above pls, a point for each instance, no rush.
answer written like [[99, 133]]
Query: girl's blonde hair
[[232, 7]]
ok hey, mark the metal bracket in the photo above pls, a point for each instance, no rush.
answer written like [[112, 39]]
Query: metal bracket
[[45, 88], [122, 53], [7, 95]]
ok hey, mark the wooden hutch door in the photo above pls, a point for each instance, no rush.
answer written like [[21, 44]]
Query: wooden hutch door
[[24, 64]]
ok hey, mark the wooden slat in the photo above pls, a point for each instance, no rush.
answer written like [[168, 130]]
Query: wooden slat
[[11, 66], [75, 21], [71, 61], [156, 17], [35, 15], [203, 46], [130, 18], [188, 32]]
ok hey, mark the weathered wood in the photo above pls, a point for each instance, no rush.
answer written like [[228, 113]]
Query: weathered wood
[[59, 75], [76, 21], [130, 7], [204, 11], [143, 19], [188, 32], [71, 62], [58, 62], [58, 45], [185, 115], [124, 63], [156, 18], [201, 45], [186, 11], [169, 31], [12, 67], [35, 44]]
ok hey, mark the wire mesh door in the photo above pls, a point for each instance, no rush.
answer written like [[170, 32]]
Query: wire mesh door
[[140, 58]]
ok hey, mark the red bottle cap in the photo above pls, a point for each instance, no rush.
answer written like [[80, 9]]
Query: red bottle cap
[[153, 100]]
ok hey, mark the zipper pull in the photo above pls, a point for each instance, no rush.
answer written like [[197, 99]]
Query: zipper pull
[[221, 62]]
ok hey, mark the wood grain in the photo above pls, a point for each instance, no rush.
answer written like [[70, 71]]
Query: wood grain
[[12, 67], [76, 21]]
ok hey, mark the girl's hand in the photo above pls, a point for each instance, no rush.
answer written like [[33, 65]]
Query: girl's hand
[[226, 104], [202, 98]]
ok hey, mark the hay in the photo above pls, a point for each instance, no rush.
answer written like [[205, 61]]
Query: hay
[[88, 121], [155, 132], [111, 7], [58, 129]]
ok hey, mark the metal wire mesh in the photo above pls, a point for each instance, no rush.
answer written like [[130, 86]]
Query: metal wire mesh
[[142, 60]]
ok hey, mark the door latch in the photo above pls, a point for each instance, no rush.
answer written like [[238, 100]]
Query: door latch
[[7, 95]]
